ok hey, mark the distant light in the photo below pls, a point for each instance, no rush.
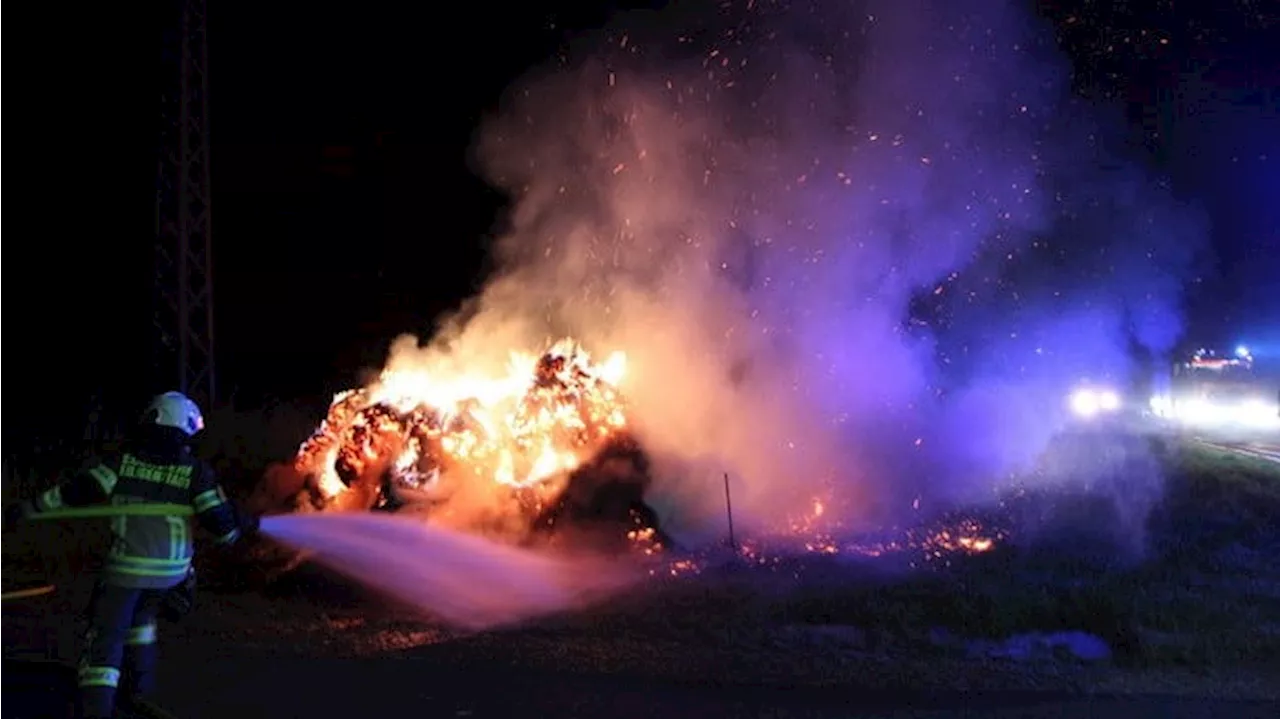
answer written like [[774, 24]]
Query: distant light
[[1242, 351], [1084, 403], [1108, 401], [1088, 402]]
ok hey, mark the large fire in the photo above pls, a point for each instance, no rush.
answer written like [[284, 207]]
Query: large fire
[[471, 447], [497, 454]]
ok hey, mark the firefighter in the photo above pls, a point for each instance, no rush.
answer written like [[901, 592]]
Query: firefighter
[[149, 490]]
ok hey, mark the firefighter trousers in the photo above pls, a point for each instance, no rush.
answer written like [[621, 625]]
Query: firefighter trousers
[[120, 648]]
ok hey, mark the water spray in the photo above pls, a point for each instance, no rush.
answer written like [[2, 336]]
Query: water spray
[[463, 580]]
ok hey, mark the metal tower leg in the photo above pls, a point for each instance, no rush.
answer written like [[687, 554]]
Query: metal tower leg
[[184, 267]]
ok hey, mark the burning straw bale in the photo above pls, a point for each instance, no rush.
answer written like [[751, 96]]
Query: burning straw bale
[[513, 455]]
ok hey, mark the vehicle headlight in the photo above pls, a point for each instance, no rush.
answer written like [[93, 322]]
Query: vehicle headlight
[[1260, 412], [1108, 400], [1195, 410], [1252, 412], [1089, 402]]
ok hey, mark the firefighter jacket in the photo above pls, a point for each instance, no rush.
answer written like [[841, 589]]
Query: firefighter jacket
[[150, 492]]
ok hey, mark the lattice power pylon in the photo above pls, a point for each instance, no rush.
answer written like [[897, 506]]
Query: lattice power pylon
[[184, 249]]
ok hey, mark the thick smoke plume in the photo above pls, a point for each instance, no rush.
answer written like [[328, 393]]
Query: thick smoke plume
[[868, 245]]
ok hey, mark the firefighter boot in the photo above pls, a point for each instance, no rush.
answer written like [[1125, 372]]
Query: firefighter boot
[[97, 698], [139, 675], [98, 675]]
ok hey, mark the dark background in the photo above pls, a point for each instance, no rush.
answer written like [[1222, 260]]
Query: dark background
[[345, 210]]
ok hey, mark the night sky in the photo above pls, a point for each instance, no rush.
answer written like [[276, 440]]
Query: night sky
[[346, 209]]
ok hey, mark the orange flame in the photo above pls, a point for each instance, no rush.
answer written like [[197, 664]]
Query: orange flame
[[524, 430]]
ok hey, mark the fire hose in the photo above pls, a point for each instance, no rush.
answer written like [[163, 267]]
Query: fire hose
[[28, 592]]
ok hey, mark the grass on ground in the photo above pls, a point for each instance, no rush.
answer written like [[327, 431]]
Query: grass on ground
[[1206, 591]]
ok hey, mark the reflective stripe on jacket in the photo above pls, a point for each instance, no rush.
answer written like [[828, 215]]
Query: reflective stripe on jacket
[[150, 494]]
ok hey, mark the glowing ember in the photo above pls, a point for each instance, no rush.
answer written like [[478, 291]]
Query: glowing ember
[[818, 533], [522, 432], [645, 540]]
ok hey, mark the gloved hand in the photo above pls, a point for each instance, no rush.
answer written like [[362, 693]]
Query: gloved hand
[[248, 522]]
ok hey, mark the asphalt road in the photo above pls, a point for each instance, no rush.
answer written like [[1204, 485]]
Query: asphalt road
[[1268, 450], [227, 682], [248, 689]]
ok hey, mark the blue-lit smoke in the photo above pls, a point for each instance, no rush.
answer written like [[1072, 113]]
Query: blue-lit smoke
[[874, 248]]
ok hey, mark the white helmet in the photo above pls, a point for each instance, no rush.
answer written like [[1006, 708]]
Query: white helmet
[[175, 409]]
